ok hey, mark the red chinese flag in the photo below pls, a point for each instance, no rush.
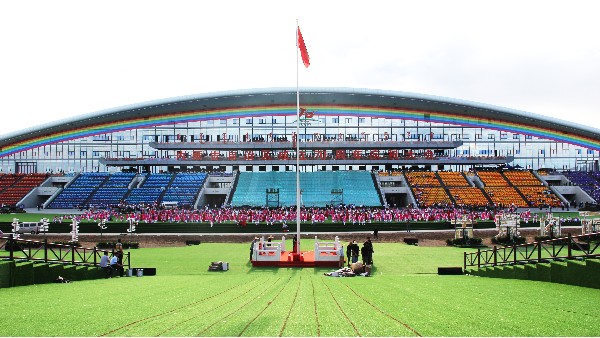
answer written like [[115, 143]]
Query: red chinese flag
[[303, 51]]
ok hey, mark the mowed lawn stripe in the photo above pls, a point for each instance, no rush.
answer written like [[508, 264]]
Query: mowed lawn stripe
[[359, 306], [291, 308], [170, 312], [365, 300], [270, 318], [404, 285], [199, 310], [331, 321], [233, 321], [474, 306], [342, 311], [303, 320], [312, 284]]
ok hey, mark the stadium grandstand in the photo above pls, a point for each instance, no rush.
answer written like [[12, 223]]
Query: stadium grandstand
[[356, 146]]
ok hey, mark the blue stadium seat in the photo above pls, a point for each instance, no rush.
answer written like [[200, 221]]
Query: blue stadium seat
[[358, 188]]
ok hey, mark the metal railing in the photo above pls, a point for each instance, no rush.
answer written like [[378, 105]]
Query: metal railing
[[43, 251], [570, 247]]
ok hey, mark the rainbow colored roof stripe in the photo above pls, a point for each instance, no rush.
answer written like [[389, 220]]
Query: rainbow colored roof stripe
[[329, 110]]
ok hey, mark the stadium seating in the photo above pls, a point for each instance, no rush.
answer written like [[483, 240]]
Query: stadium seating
[[157, 180], [427, 188], [492, 179], [144, 195], [184, 188], [505, 196], [540, 196], [468, 196], [13, 187], [534, 191], [430, 196], [588, 181], [119, 180], [71, 198], [453, 179], [357, 186], [422, 179], [107, 196], [78, 192], [103, 189], [521, 178]]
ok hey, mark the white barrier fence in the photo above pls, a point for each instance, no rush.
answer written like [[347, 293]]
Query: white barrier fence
[[325, 251], [268, 251], [328, 251]]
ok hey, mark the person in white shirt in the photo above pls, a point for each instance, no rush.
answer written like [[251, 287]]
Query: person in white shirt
[[115, 265], [104, 264]]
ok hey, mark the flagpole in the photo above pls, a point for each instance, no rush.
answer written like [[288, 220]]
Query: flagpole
[[297, 147]]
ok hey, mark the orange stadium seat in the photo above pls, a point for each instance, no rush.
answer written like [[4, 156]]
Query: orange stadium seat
[[492, 179], [422, 179], [429, 196], [453, 179], [540, 196], [468, 196], [505, 196], [521, 177]]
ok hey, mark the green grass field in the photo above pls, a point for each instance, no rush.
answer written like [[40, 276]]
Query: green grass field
[[405, 297]]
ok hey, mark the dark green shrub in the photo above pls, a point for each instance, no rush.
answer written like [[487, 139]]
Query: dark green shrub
[[470, 242], [505, 240]]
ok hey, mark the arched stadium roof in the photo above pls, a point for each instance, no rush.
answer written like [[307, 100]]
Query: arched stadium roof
[[282, 102]]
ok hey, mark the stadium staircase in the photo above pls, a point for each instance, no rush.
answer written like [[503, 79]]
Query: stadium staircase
[[184, 188], [87, 201], [229, 196], [511, 184], [22, 273], [112, 190], [16, 188], [411, 189], [78, 191], [584, 273], [166, 188], [377, 183], [554, 191], [443, 184]]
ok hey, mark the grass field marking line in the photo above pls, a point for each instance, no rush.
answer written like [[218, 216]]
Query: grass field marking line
[[265, 308], [340, 308], [205, 312], [384, 313], [291, 308], [315, 307], [167, 312], [239, 308]]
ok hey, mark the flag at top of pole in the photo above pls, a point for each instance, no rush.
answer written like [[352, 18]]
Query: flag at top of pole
[[303, 51]]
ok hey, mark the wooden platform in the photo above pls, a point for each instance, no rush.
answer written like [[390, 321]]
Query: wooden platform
[[306, 259]]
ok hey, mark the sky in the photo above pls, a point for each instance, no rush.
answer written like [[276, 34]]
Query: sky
[[60, 59]]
